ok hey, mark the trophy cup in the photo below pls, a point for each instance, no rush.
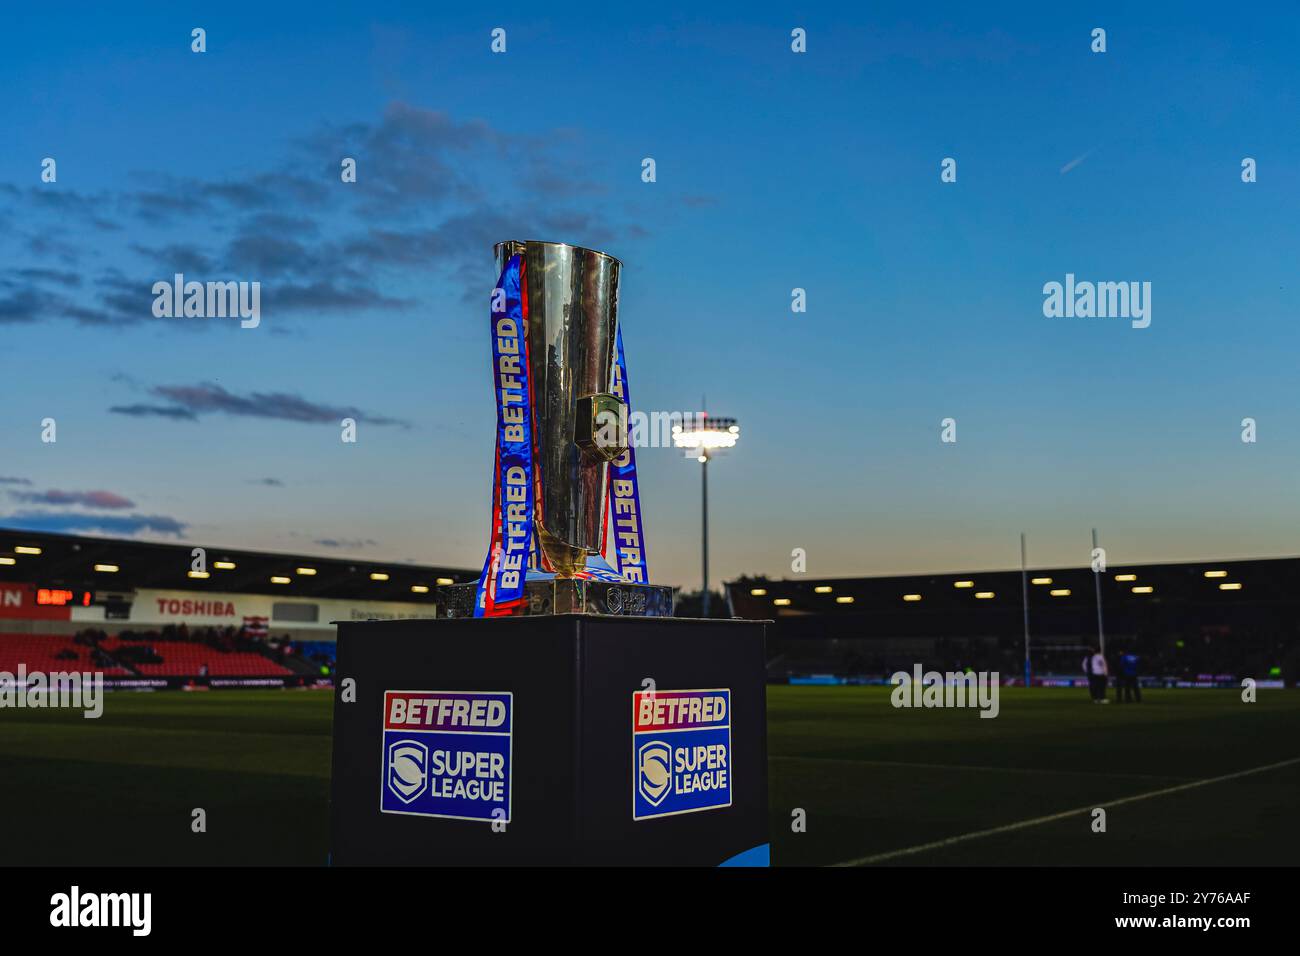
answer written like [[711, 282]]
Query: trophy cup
[[567, 533], [579, 709]]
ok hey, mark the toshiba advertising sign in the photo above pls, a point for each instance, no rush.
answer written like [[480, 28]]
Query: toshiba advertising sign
[[154, 608]]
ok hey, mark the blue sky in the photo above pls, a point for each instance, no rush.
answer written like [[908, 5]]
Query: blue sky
[[774, 170]]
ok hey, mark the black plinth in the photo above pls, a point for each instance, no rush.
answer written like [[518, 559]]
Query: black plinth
[[450, 712]]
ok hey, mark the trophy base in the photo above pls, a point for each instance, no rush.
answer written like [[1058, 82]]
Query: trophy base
[[571, 789], [552, 595]]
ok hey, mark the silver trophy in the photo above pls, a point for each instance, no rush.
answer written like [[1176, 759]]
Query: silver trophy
[[572, 316]]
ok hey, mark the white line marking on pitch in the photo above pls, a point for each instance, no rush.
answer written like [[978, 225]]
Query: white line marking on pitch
[[937, 844], [965, 766]]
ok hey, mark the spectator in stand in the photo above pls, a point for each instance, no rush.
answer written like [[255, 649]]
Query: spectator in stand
[[1094, 667]]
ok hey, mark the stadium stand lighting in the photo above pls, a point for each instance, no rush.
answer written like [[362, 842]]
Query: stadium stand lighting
[[419, 588], [781, 602], [912, 598], [844, 599], [1216, 574], [26, 549], [1144, 589], [224, 565], [1230, 586], [378, 576], [1126, 577], [306, 571], [757, 592], [198, 574], [823, 589], [1041, 581], [107, 568], [8, 561], [280, 579], [963, 584], [444, 581], [1059, 592], [984, 595]]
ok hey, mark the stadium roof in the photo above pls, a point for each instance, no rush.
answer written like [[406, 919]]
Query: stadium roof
[[977, 592], [71, 561]]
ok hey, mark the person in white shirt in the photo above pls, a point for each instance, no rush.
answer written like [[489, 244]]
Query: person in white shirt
[[1094, 666]]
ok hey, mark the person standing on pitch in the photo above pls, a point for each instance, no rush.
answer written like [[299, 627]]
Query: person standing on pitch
[[1127, 688], [1094, 666]]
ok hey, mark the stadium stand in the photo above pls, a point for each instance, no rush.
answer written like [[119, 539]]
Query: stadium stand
[[1203, 622], [190, 659], [51, 653], [153, 654], [203, 652]]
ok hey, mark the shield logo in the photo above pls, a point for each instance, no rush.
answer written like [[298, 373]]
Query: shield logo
[[408, 769], [654, 771]]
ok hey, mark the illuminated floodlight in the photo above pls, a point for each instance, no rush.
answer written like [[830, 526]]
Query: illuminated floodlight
[[444, 581], [844, 599], [822, 589], [280, 579], [419, 589], [911, 598], [1216, 574], [700, 436], [1126, 577], [107, 568], [705, 434], [1144, 589], [1230, 586], [984, 595], [224, 565], [757, 592], [199, 574], [781, 602], [25, 549], [1041, 581], [1059, 592]]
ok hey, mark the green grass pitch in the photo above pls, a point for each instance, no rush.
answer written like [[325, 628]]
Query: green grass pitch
[[872, 781]]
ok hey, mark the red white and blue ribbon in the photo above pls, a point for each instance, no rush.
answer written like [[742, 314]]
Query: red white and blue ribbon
[[627, 555], [501, 585]]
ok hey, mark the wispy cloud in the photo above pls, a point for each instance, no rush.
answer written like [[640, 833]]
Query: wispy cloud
[[1075, 162], [69, 523], [352, 543], [191, 401], [106, 500], [444, 188], [140, 410]]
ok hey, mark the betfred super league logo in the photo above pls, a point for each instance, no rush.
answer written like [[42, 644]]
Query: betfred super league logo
[[654, 771], [446, 753], [681, 749], [408, 768]]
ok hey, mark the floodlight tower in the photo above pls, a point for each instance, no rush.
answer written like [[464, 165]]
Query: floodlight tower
[[701, 436]]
